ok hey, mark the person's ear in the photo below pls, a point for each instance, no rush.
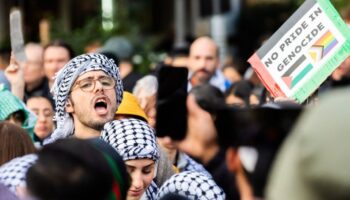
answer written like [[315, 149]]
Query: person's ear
[[232, 159], [69, 106]]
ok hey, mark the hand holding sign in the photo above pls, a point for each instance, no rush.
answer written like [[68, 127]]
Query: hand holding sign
[[15, 75], [14, 72]]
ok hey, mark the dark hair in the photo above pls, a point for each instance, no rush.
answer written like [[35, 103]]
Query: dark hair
[[208, 98], [173, 196], [345, 13], [14, 142], [179, 52], [61, 43], [236, 64], [265, 129], [50, 100], [75, 169], [18, 116], [242, 89], [113, 56]]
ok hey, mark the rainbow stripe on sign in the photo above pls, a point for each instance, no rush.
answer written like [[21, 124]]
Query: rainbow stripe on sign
[[323, 46]]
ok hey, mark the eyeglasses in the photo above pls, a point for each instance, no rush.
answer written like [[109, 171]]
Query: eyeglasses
[[88, 84]]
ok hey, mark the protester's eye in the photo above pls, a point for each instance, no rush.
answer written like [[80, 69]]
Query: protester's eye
[[86, 84], [106, 81], [48, 113], [147, 170], [130, 169]]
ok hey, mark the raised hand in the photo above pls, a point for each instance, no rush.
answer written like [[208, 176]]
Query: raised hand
[[15, 75]]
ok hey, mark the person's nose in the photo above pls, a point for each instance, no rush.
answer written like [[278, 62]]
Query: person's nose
[[58, 66], [41, 117], [137, 182], [98, 86], [167, 140], [202, 63]]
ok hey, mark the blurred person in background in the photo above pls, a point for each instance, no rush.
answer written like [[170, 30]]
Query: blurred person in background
[[42, 107], [240, 94], [201, 142], [122, 50], [92, 46], [145, 91], [251, 138], [34, 76], [94, 172], [313, 162], [231, 73], [178, 57], [14, 142], [14, 110], [56, 54], [203, 64]]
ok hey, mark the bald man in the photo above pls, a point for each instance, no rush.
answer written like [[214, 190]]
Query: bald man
[[203, 64]]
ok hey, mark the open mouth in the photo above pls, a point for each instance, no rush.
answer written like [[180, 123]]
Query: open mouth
[[101, 107]]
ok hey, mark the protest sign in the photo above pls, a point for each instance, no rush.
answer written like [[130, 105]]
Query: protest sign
[[17, 41], [303, 52]]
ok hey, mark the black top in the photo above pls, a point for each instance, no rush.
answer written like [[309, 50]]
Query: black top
[[42, 90], [129, 81], [222, 176]]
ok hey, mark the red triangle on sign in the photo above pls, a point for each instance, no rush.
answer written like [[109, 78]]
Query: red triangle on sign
[[288, 80]]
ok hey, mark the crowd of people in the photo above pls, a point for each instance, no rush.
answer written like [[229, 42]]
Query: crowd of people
[[90, 127]]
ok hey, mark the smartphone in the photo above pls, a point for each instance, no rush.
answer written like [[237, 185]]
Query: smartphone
[[171, 118]]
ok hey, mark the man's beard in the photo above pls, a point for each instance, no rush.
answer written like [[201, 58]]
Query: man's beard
[[96, 126], [200, 77]]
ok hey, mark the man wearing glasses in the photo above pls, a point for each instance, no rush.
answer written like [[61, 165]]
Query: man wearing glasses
[[87, 93]]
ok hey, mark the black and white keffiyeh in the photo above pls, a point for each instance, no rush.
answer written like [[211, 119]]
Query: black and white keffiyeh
[[13, 173], [193, 185], [65, 79], [151, 192], [186, 163], [132, 138]]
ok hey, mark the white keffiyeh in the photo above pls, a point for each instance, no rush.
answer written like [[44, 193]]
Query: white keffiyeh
[[13, 173], [132, 138], [193, 185]]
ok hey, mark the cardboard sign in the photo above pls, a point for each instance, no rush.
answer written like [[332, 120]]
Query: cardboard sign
[[17, 41], [303, 52]]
